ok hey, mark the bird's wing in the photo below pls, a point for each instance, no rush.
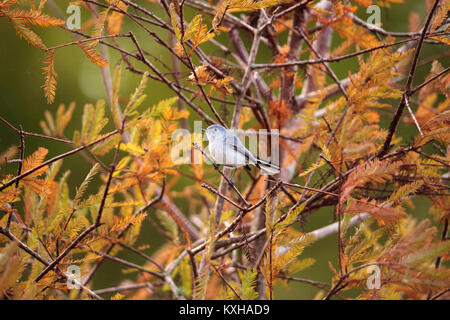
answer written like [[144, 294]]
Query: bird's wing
[[235, 144]]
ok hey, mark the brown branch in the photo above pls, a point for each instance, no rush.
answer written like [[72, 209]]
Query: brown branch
[[61, 156], [124, 288], [19, 171], [412, 115], [380, 30], [97, 223], [223, 174], [168, 83], [429, 81], [287, 90], [222, 196], [443, 238], [236, 221], [122, 233], [440, 294], [87, 40], [128, 264], [340, 283], [31, 134], [69, 248], [36, 255], [226, 282], [111, 172], [318, 284], [407, 92], [318, 55], [191, 66], [343, 57], [158, 22]]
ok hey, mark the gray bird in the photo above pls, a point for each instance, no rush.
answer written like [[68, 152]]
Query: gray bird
[[228, 150]]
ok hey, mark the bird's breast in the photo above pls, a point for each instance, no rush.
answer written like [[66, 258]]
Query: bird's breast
[[225, 155]]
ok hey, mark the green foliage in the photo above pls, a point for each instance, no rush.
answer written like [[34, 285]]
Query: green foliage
[[248, 284]]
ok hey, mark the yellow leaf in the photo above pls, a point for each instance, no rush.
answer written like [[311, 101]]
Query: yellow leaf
[[50, 77], [132, 148], [117, 296]]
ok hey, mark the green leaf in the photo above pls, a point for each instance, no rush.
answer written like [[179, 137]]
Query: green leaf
[[290, 218], [132, 149], [138, 97], [173, 18], [85, 183], [248, 285], [115, 95]]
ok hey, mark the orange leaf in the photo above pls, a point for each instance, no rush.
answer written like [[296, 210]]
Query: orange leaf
[[33, 161], [50, 77], [95, 57], [383, 213]]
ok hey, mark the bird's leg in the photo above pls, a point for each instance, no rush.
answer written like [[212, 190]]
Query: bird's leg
[[232, 175], [249, 172]]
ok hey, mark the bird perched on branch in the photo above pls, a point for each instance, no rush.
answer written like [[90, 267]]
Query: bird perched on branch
[[227, 150]]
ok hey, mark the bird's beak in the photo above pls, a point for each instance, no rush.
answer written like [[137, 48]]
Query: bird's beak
[[203, 130]]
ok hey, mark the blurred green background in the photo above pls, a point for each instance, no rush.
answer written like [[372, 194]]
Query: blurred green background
[[22, 102]]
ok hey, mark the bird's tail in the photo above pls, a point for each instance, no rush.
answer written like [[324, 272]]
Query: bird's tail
[[267, 167]]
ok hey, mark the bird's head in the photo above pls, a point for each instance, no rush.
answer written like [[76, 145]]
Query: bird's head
[[214, 131]]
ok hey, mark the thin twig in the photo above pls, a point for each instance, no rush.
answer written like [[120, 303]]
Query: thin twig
[[407, 92], [128, 264], [61, 156], [19, 171]]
